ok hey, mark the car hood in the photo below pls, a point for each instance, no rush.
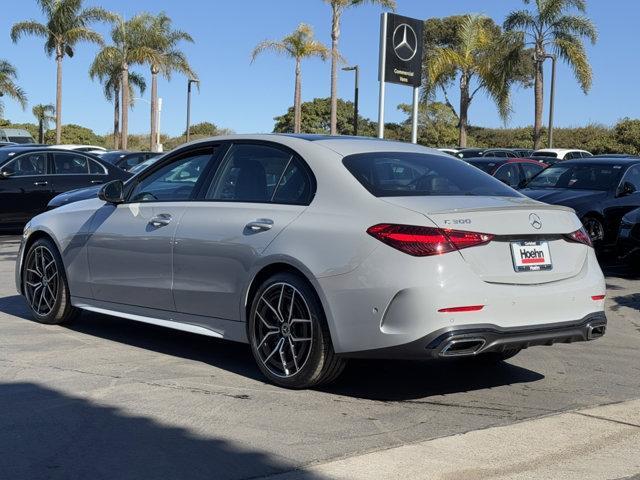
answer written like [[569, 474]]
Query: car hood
[[564, 196], [74, 196]]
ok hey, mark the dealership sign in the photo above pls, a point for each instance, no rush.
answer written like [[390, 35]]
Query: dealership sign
[[403, 44]]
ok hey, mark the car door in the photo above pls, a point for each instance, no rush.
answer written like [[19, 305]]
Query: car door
[[257, 190], [130, 248], [25, 188], [626, 198]]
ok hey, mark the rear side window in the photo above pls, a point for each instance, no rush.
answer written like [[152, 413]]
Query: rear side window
[[395, 174], [70, 164]]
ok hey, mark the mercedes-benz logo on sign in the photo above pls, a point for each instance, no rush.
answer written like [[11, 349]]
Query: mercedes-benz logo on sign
[[405, 42], [535, 221]]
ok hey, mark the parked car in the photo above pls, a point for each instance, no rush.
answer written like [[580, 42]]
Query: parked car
[[7, 144], [316, 249], [470, 152], [499, 153], [600, 190], [30, 177], [629, 238], [450, 151], [126, 160], [15, 135], [86, 193], [82, 148], [512, 171], [561, 153]]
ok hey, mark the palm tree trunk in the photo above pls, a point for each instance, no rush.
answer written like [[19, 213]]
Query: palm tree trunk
[[40, 130], [116, 119], [59, 95], [539, 99], [335, 36], [154, 109], [297, 100], [125, 107], [464, 110]]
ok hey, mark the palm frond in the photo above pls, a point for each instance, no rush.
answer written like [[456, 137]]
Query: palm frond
[[569, 49]]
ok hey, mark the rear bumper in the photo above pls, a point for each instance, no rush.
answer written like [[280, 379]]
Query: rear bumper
[[470, 340]]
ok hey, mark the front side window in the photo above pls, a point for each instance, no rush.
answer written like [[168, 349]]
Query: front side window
[[173, 182], [29, 164], [249, 173], [633, 177], [578, 177], [70, 164], [432, 175]]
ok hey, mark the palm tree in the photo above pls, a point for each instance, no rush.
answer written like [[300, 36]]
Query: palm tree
[[484, 61], [8, 85], [551, 28], [67, 23], [167, 59], [337, 9], [128, 49], [298, 45], [110, 74], [44, 115]]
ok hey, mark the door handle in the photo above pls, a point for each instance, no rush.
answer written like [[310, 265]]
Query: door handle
[[260, 225], [96, 182], [160, 220], [40, 184]]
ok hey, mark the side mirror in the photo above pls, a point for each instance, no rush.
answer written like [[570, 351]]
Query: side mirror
[[112, 192], [627, 188]]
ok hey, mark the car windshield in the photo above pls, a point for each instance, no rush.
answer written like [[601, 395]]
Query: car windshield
[[545, 154], [394, 174], [21, 139], [483, 165], [578, 177]]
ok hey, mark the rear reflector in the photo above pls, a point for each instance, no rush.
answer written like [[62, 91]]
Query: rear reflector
[[597, 297], [469, 308], [426, 241], [580, 236]]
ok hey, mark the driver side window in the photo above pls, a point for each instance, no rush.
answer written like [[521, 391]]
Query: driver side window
[[173, 182], [633, 177], [29, 164]]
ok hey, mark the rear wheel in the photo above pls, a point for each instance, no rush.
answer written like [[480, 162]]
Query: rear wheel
[[45, 285], [289, 336], [594, 228]]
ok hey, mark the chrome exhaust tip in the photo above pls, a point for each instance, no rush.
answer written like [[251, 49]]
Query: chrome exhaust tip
[[596, 331], [462, 347]]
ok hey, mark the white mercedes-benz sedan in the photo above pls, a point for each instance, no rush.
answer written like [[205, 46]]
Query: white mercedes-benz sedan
[[317, 249]]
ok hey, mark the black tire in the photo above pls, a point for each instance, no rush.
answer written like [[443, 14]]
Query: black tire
[[292, 354], [595, 228], [59, 309]]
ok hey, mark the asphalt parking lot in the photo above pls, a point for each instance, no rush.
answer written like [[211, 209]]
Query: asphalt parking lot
[[109, 398]]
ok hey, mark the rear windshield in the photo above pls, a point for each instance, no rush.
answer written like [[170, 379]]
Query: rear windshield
[[21, 139], [578, 177], [393, 174], [545, 154]]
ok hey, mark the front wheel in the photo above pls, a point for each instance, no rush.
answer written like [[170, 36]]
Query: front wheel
[[45, 286], [594, 228], [289, 336]]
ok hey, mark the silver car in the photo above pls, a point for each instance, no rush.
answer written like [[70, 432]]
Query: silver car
[[317, 249]]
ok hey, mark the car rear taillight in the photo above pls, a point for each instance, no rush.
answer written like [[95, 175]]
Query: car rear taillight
[[426, 241], [580, 236]]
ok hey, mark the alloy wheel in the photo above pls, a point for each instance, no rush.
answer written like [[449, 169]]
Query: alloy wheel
[[41, 281], [594, 228], [283, 330]]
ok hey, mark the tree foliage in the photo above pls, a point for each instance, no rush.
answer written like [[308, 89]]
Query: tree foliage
[[9, 85], [76, 134]]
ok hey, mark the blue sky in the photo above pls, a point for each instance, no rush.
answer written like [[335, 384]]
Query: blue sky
[[245, 98]]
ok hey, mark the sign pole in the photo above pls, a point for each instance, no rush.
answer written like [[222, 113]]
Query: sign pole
[[414, 118], [382, 67]]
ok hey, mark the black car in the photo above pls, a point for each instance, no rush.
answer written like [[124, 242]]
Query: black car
[[126, 160], [470, 152], [500, 153], [600, 190], [629, 238], [512, 171], [30, 177], [7, 144]]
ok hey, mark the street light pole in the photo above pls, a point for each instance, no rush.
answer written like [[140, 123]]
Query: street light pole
[[552, 97], [189, 82], [356, 96]]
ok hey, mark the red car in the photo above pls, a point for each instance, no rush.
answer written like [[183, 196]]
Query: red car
[[514, 172]]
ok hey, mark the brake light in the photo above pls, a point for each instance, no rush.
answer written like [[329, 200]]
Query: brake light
[[597, 298], [580, 236], [469, 308], [426, 241]]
